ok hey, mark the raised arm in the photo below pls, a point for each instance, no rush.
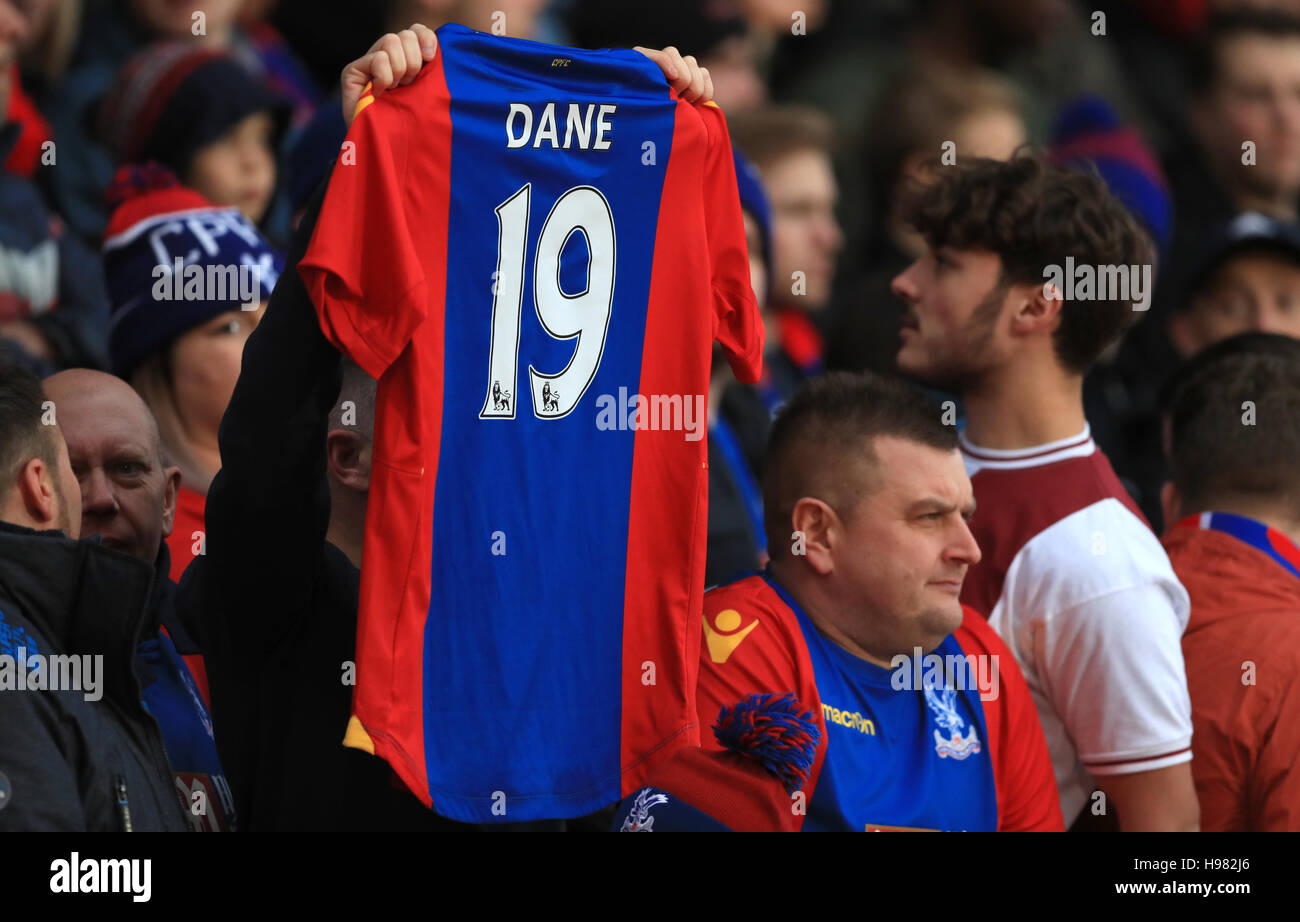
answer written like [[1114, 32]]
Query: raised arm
[[396, 58]]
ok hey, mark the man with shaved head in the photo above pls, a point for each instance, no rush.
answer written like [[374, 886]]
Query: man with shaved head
[[128, 499], [920, 718]]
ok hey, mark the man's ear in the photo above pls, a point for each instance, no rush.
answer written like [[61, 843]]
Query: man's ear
[[347, 457], [817, 525], [35, 486], [1171, 503], [917, 166], [171, 486], [1035, 311]]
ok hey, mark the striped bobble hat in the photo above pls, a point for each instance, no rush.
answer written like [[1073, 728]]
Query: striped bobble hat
[[175, 97]]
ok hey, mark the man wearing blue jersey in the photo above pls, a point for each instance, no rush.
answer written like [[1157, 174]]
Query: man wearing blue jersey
[[921, 718]]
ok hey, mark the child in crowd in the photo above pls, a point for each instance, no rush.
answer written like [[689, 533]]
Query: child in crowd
[[200, 113], [188, 281]]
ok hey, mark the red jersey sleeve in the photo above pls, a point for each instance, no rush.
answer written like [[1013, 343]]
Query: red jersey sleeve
[[1022, 768], [1272, 790], [737, 324], [362, 267], [752, 645]]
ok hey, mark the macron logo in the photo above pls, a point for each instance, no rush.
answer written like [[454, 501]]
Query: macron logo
[[103, 875]]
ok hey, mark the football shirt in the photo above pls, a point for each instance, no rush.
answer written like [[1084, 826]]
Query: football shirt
[[948, 740], [533, 249], [1075, 582], [1242, 649]]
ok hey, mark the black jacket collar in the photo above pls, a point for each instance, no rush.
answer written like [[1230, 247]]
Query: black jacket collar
[[85, 598]]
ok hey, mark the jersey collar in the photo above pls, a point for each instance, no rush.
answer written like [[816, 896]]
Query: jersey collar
[[1076, 446], [1258, 535]]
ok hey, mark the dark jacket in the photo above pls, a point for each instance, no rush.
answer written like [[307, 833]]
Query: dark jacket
[[172, 696], [737, 437], [71, 763], [274, 604]]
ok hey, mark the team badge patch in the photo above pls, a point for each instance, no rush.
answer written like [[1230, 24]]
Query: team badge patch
[[956, 745], [639, 818]]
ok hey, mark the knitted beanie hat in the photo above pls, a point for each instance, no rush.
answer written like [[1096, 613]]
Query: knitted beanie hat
[[1088, 131], [174, 98], [173, 261]]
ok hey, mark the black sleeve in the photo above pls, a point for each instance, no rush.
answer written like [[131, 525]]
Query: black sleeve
[[42, 778], [268, 508]]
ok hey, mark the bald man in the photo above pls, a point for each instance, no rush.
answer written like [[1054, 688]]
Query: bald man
[[128, 499], [128, 493]]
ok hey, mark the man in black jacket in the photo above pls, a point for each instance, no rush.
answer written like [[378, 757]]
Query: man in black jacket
[[128, 497], [78, 751], [275, 602], [273, 599]]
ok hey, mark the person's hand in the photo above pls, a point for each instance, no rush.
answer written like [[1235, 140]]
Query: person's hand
[[392, 61], [684, 74]]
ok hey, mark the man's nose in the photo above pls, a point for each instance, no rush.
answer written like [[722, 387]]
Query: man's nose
[[902, 285], [829, 233], [97, 494], [1269, 319], [965, 548]]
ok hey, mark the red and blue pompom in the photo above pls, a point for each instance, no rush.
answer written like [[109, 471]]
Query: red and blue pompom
[[773, 731]]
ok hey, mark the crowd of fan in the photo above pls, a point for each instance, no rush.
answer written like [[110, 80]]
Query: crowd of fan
[[872, 139]]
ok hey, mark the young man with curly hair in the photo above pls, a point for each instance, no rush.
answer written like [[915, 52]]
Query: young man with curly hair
[[1029, 273]]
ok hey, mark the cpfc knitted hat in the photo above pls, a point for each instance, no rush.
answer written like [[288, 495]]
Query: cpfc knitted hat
[[173, 261]]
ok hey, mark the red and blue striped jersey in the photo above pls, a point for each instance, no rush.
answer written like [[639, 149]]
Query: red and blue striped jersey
[[945, 740], [533, 249]]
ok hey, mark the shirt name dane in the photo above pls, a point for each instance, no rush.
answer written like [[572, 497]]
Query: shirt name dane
[[577, 126]]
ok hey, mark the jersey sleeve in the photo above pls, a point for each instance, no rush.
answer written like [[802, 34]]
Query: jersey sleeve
[[362, 267], [1112, 668], [1272, 788], [1022, 767], [753, 648], [738, 326]]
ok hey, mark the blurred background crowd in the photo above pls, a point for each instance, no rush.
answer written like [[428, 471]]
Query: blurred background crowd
[[1189, 109], [126, 119]]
